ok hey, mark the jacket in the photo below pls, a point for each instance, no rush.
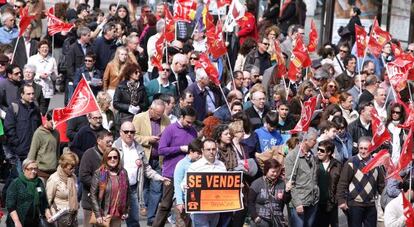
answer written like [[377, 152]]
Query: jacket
[[20, 126], [255, 120], [111, 76], [334, 171], [45, 149], [97, 74], [261, 61], [104, 50], [345, 82], [143, 129], [247, 25], [200, 100], [58, 192], [122, 101], [84, 139], [75, 59], [357, 130], [305, 191], [20, 56]]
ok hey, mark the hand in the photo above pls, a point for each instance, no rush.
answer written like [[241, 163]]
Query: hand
[[44, 75], [257, 220], [124, 216], [138, 163], [184, 148], [48, 215], [18, 224], [299, 209], [343, 206], [99, 220], [289, 186], [180, 207], [154, 139], [166, 181], [140, 49]]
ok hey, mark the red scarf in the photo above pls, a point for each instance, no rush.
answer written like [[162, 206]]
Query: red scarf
[[123, 187]]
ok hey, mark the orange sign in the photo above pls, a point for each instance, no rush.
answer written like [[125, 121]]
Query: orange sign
[[214, 192]]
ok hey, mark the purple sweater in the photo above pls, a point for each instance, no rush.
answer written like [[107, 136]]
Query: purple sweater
[[171, 139]]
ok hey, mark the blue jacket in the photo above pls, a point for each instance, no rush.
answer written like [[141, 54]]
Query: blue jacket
[[97, 74], [104, 50], [267, 139]]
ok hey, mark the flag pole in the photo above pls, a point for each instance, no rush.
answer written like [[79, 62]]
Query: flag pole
[[225, 98], [296, 162], [15, 48], [53, 45]]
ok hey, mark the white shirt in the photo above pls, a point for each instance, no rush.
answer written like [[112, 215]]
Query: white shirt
[[130, 155], [44, 65], [27, 46], [151, 49], [394, 213], [382, 111], [203, 165]]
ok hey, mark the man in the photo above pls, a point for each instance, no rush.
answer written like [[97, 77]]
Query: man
[[362, 126], [259, 57], [380, 97], [186, 99], [104, 46], [356, 90], [160, 11], [371, 85], [194, 154], [149, 125], [88, 165], [4, 62], [208, 163], [305, 191], [346, 79], [112, 10], [92, 75], [161, 84], [29, 72], [75, 57], [223, 112], [8, 31], [169, 101], [179, 71], [410, 49], [328, 131], [285, 121], [86, 137], [45, 148], [267, 135], [136, 53], [294, 31], [238, 82], [136, 165], [200, 93], [369, 67], [74, 125], [173, 147], [26, 47], [357, 191], [9, 87], [258, 110], [339, 59]]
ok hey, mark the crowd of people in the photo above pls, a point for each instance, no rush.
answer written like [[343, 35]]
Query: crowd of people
[[129, 160]]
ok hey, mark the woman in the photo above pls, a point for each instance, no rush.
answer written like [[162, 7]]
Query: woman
[[226, 154], [345, 103], [26, 198], [343, 140], [36, 8], [305, 91], [268, 195], [46, 71], [150, 20], [249, 140], [194, 57], [272, 33], [112, 74], [122, 14], [350, 37], [121, 33], [248, 45], [110, 190], [396, 115], [61, 190], [104, 101], [130, 97], [29, 72], [330, 92], [272, 12]]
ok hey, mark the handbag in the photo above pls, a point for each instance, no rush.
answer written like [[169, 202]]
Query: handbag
[[107, 219]]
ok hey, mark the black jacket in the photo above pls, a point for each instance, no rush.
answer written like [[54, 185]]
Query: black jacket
[[90, 162], [334, 170], [255, 120], [84, 139], [104, 50], [75, 59], [20, 124], [357, 131], [345, 82], [20, 56], [74, 125]]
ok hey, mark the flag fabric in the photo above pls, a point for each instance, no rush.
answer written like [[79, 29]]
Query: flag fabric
[[409, 122], [215, 42], [184, 10], [169, 30], [299, 59], [306, 116], [379, 131], [408, 211], [406, 154], [360, 39], [221, 3], [377, 39], [235, 13], [156, 59], [313, 38], [212, 72], [380, 158], [56, 25], [82, 102], [396, 49], [399, 70], [25, 20], [280, 61]]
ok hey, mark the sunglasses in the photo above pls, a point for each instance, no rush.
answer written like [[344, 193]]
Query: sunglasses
[[266, 44], [129, 131], [87, 60], [396, 112], [166, 69], [17, 6], [411, 51], [112, 157], [322, 150], [363, 148], [17, 73], [97, 118], [332, 86], [193, 58]]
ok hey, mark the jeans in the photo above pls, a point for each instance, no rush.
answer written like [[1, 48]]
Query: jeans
[[306, 219], [133, 215], [152, 192], [362, 215], [205, 220]]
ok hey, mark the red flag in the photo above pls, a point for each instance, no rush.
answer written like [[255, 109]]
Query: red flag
[[25, 20], [56, 25], [184, 10], [212, 72], [382, 157], [377, 39], [221, 3], [156, 59], [380, 132], [398, 73], [169, 25], [406, 154], [306, 116], [298, 60], [408, 211], [313, 38], [215, 42], [396, 49], [360, 38], [409, 122], [280, 60], [81, 103]]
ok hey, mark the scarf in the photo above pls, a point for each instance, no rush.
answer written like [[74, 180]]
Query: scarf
[[123, 187], [31, 189], [133, 90], [270, 185], [71, 185], [144, 32], [228, 156]]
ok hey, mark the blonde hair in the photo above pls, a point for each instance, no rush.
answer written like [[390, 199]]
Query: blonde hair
[[68, 158], [102, 98], [235, 126]]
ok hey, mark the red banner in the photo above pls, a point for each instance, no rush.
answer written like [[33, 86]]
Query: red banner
[[306, 116]]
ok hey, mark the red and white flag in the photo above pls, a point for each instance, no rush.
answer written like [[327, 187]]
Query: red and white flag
[[25, 20], [380, 158], [280, 61], [184, 10], [56, 25], [408, 211], [379, 131], [360, 39], [82, 102], [298, 60], [211, 70], [313, 38], [306, 116], [378, 39], [169, 30], [156, 59], [406, 154], [215, 42]]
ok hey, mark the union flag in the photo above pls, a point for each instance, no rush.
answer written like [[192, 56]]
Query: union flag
[[377, 39], [361, 42]]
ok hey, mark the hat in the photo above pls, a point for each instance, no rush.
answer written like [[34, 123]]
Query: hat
[[4, 58]]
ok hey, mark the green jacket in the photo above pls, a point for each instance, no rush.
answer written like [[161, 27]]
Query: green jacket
[[19, 200], [45, 148], [153, 87]]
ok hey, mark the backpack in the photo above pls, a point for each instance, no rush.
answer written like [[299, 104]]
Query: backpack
[[62, 67]]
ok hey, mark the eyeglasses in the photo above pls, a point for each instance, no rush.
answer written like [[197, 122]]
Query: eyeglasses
[[17, 73], [129, 131], [96, 118], [3, 63], [266, 44], [112, 157], [363, 148], [15, 6], [88, 60], [109, 142], [193, 58], [411, 51], [331, 86], [32, 169], [322, 150], [147, 11]]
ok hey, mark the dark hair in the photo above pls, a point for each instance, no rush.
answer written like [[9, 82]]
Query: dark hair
[[102, 134], [207, 140], [49, 115], [356, 10], [328, 145], [184, 94], [241, 116], [152, 19], [43, 42], [405, 184], [361, 106], [326, 125], [91, 54], [81, 7], [195, 146], [236, 103], [330, 110], [9, 68], [21, 88], [283, 102], [248, 44], [343, 96], [218, 131], [271, 164], [348, 58], [340, 122], [111, 5], [251, 6], [126, 19], [391, 108], [104, 162], [188, 111], [165, 98], [366, 62], [326, 52], [271, 118], [128, 70]]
